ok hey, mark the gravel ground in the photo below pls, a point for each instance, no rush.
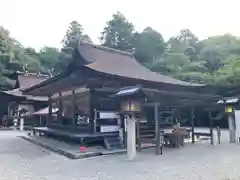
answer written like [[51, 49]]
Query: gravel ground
[[21, 160]]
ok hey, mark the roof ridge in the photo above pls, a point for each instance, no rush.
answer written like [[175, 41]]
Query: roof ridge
[[33, 74], [131, 54]]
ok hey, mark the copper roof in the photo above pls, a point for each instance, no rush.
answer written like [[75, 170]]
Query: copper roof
[[27, 80], [106, 61], [18, 93], [120, 63]]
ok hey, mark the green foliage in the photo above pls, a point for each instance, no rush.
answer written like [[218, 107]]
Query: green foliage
[[15, 57], [212, 61]]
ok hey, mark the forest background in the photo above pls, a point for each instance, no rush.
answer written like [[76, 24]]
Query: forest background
[[214, 61]]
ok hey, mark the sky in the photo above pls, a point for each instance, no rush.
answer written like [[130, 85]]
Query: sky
[[38, 23]]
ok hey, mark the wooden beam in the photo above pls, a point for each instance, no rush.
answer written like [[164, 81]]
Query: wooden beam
[[68, 93], [180, 102], [181, 94]]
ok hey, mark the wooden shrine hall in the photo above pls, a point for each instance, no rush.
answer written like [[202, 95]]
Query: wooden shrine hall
[[85, 94], [14, 101]]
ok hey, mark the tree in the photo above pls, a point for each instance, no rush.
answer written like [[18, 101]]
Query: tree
[[185, 42], [229, 74], [118, 33], [218, 51], [73, 35], [6, 45], [149, 45], [49, 58], [170, 63], [182, 61], [7, 55], [86, 38], [212, 59]]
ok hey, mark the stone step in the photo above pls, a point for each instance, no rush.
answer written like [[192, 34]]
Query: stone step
[[113, 142]]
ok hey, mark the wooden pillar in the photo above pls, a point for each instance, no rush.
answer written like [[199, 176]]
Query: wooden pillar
[[192, 124], [40, 122], [73, 110], [9, 109], [138, 134], [124, 130], [49, 121], [95, 121], [91, 110], [60, 108], [157, 131], [211, 127], [174, 115]]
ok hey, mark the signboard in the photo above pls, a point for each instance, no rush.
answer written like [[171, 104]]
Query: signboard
[[108, 121], [108, 115]]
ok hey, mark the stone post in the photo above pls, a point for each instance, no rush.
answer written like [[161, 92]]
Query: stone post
[[21, 126], [232, 132], [131, 138], [15, 123]]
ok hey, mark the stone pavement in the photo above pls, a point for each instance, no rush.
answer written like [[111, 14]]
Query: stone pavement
[[21, 160]]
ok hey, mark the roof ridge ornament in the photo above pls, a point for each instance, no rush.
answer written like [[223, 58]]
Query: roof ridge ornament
[[50, 72], [25, 67], [38, 74], [131, 54]]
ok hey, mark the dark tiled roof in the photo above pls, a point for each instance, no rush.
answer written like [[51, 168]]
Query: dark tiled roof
[[115, 62]]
